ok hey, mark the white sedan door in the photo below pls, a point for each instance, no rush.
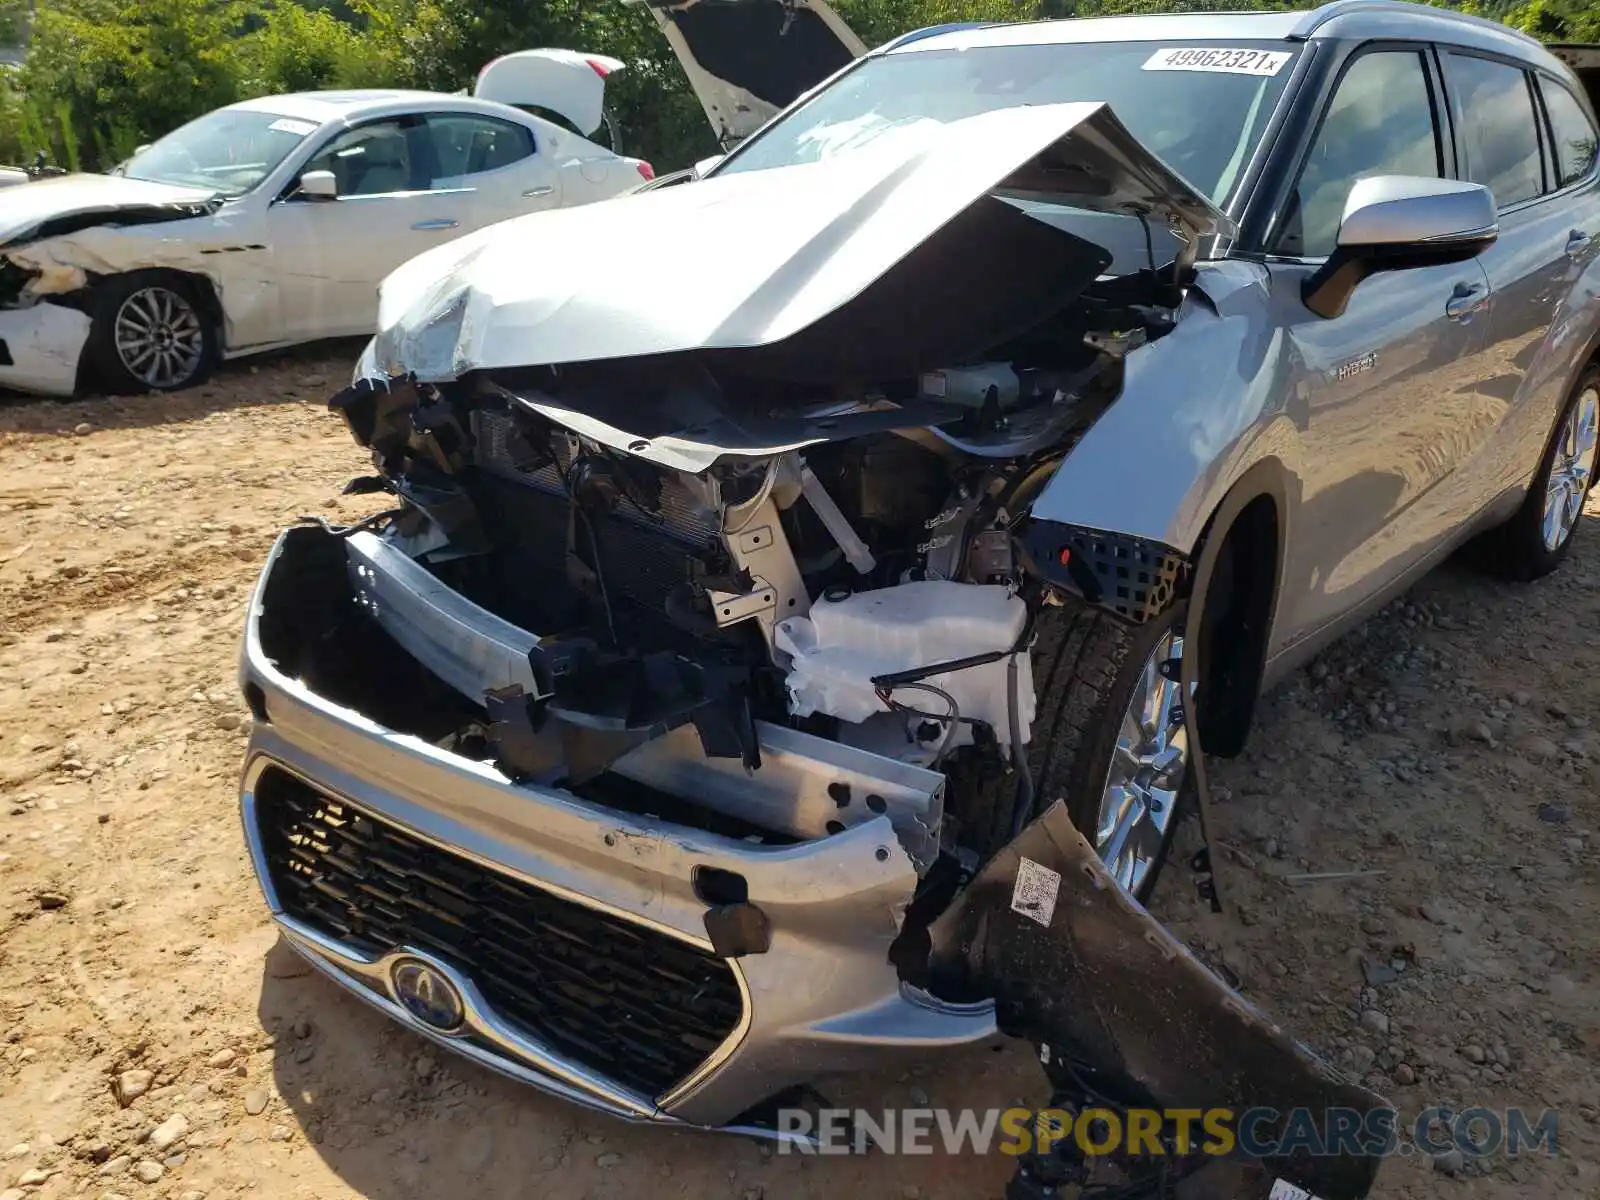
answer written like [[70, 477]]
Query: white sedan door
[[332, 253], [507, 166]]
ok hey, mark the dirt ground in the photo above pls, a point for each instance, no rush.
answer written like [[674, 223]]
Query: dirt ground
[[1449, 750]]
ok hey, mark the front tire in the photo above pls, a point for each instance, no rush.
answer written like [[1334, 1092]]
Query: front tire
[[1533, 542], [150, 332], [1109, 738]]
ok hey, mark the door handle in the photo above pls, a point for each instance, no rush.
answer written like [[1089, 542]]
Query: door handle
[[544, 189], [1578, 243], [436, 223], [1466, 302]]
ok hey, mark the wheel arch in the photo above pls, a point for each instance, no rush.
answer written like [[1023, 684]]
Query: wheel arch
[[203, 286], [100, 292], [1236, 585]]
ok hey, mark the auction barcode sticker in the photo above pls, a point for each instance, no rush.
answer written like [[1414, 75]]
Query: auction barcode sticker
[[1034, 895], [1282, 1189], [1220, 60]]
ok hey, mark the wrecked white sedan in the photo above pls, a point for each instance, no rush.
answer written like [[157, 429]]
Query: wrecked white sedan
[[272, 221]]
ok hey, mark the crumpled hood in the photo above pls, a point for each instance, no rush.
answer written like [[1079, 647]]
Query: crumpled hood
[[75, 201], [750, 259]]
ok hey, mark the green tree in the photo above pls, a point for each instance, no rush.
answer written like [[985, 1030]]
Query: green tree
[[1558, 20], [103, 75]]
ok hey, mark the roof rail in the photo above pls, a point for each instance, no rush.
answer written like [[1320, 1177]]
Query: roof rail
[[1319, 17], [916, 35]]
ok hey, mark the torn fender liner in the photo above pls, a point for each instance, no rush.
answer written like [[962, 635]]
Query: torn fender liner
[[749, 59], [1075, 964], [752, 258], [53, 207]]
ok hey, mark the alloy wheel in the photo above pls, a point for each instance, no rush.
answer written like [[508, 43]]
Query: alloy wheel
[[1147, 771], [1572, 469], [160, 337]]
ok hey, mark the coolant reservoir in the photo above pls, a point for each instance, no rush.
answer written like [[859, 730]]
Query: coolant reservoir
[[843, 644]]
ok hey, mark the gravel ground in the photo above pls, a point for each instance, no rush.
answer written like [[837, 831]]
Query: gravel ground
[[157, 1043]]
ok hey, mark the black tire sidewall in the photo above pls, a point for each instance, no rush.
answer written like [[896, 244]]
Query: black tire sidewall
[[106, 361], [1519, 552], [1086, 765]]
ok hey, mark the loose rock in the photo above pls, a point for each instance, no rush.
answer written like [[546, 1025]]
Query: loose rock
[[1377, 972], [147, 1170], [255, 1101], [171, 1131], [130, 1085]]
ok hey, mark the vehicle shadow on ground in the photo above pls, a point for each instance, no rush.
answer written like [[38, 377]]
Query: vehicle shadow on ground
[[298, 374], [396, 1117]]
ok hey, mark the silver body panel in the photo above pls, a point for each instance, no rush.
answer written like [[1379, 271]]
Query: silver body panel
[[1385, 437], [824, 998], [601, 282]]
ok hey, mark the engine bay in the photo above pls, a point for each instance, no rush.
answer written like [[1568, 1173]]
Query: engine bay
[[697, 546]]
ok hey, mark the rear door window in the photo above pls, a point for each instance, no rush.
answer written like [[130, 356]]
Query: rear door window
[[1573, 133], [469, 144], [1500, 129]]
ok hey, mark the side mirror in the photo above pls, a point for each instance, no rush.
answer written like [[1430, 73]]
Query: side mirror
[[1392, 222], [319, 185], [705, 164]]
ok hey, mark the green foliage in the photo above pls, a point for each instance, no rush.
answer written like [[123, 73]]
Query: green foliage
[[296, 49], [1558, 20], [103, 76]]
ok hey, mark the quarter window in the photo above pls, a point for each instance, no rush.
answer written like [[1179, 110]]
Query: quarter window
[[1499, 128], [1575, 138], [1379, 122]]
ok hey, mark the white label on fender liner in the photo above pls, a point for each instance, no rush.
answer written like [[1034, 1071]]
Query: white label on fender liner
[[1034, 896], [1282, 1189], [1218, 59]]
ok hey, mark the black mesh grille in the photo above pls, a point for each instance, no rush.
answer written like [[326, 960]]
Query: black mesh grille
[[1131, 577], [628, 1003]]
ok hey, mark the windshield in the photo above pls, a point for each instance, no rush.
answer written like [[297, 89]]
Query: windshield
[[1199, 105], [230, 150]]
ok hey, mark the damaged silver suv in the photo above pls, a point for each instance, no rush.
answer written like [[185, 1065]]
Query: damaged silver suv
[[807, 588]]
